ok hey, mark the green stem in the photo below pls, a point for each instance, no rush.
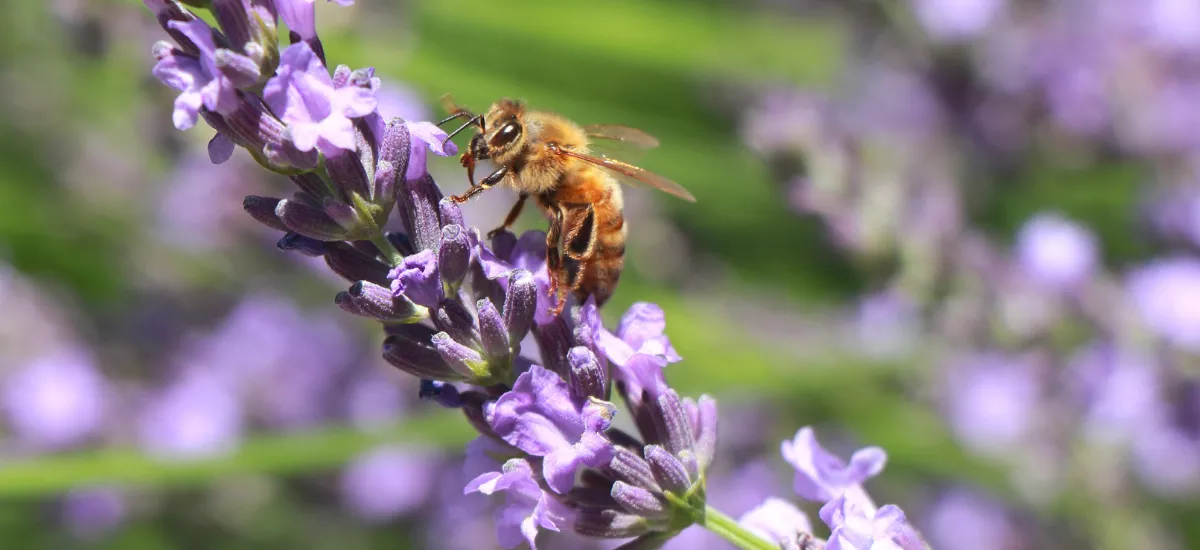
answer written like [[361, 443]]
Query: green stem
[[376, 234], [729, 529]]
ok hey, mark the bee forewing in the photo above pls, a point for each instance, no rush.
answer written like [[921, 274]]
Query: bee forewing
[[630, 174]]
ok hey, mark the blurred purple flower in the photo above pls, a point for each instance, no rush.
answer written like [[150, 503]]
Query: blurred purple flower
[[91, 512], [821, 475], [1166, 292], [200, 206], [56, 400], [857, 525], [374, 400], [960, 519], [526, 506], [886, 324], [950, 20], [196, 416], [388, 482], [776, 520], [991, 401], [1055, 251], [539, 417], [318, 114], [199, 81]]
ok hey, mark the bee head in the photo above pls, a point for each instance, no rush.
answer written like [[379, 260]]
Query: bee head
[[503, 133]]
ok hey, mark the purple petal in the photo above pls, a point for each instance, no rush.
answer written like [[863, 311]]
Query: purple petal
[[434, 139], [299, 16], [822, 476], [219, 149], [642, 322], [776, 520], [418, 279]]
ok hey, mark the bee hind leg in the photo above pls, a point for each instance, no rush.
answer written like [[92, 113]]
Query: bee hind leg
[[511, 217]]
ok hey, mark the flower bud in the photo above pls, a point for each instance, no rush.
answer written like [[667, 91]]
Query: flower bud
[[670, 473], [706, 430], [301, 244], [413, 352], [234, 20], [346, 170], [639, 501], [610, 524], [354, 265], [344, 214], [375, 301], [520, 305], [262, 209], [672, 422], [309, 221], [462, 359], [394, 148], [492, 332], [627, 466], [450, 212], [586, 377], [454, 319], [454, 255], [383, 186]]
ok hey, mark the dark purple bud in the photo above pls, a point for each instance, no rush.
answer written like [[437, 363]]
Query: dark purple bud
[[419, 200], [451, 213], [395, 146], [627, 466], [462, 359], [241, 71], [231, 15], [346, 170], [302, 244], [473, 403], [341, 75], [554, 341], [414, 353], [378, 302], [401, 242], [520, 305], [503, 244], [610, 524], [492, 332], [454, 255], [586, 378], [672, 422], [384, 188], [638, 501], [483, 287], [454, 319], [706, 431], [354, 265], [670, 473], [442, 393], [344, 214], [309, 221], [168, 10], [262, 209], [310, 183]]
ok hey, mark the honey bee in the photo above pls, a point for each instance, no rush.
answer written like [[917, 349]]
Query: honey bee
[[557, 162]]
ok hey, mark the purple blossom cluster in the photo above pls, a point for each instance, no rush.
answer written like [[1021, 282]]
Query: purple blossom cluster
[[1039, 356], [463, 315]]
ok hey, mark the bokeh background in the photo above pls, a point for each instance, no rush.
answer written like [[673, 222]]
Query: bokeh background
[[962, 230]]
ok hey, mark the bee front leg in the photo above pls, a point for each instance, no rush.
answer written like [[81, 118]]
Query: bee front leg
[[487, 183]]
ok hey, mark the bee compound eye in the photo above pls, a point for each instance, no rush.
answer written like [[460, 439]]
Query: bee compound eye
[[506, 134]]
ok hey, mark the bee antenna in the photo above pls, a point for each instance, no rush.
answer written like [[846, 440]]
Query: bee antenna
[[459, 114], [476, 120]]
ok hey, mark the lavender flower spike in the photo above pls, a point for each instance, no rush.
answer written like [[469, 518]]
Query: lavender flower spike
[[317, 114], [539, 417]]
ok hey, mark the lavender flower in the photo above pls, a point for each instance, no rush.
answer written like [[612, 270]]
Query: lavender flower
[[200, 83], [57, 400], [820, 475], [527, 507], [317, 113]]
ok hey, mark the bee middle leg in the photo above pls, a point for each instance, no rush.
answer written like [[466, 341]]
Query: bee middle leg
[[511, 217]]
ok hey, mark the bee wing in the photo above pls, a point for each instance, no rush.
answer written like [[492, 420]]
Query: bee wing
[[631, 174], [619, 142]]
